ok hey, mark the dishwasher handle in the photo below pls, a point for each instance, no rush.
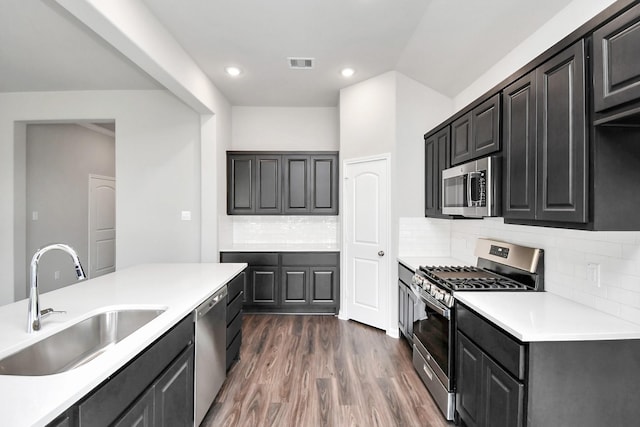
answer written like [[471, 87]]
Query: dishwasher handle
[[214, 300]]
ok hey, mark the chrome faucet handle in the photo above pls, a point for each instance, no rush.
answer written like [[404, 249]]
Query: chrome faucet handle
[[48, 311]]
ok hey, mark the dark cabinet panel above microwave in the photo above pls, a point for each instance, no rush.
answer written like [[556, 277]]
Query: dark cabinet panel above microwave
[[477, 133], [436, 157]]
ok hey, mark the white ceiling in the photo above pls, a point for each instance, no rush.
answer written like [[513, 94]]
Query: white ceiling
[[444, 44]]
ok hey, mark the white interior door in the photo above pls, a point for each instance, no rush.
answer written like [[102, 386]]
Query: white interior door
[[102, 225], [367, 240]]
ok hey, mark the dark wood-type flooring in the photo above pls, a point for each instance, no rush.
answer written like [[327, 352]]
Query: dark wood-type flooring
[[321, 371]]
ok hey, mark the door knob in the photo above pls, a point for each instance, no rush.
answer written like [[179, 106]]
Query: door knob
[[380, 253]]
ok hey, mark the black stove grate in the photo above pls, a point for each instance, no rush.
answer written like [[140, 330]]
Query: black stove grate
[[458, 278]]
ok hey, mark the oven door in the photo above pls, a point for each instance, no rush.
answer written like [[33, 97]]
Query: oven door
[[433, 352], [432, 335]]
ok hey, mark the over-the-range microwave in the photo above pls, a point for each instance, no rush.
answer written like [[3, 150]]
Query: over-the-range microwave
[[472, 189]]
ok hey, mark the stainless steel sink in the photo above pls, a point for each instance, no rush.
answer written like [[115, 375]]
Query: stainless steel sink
[[77, 344]]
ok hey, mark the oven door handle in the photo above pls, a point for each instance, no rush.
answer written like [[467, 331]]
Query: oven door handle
[[431, 302]]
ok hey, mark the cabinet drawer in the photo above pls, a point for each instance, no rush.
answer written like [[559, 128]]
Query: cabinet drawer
[[404, 274], [507, 351], [235, 286], [234, 307], [233, 328], [251, 258], [233, 350], [311, 258]]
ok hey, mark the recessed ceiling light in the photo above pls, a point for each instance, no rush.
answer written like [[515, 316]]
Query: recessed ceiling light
[[347, 72], [233, 71]]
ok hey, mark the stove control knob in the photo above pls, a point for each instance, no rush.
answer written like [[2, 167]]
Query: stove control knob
[[448, 300], [426, 286]]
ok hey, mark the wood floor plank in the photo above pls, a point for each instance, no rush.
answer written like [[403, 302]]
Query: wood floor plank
[[313, 371]]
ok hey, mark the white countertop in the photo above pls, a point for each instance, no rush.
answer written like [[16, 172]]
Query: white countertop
[[180, 288], [281, 247], [413, 262], [543, 316]]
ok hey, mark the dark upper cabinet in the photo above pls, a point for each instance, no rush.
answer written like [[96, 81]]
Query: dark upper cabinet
[[562, 138], [268, 184], [324, 184], [296, 183], [477, 133], [240, 184], [545, 142], [616, 69], [436, 157], [461, 140], [519, 150]]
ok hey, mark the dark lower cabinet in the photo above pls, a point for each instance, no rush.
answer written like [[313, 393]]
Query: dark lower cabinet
[[502, 382], [436, 156], [486, 395], [235, 299], [290, 282], [406, 303], [264, 286], [154, 389]]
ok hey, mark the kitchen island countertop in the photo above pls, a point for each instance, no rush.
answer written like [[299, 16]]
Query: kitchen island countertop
[[178, 288]]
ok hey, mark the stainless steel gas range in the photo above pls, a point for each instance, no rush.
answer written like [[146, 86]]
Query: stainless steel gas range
[[501, 267]]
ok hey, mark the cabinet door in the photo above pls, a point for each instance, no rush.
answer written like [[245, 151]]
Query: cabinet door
[[240, 184], [461, 139], [562, 138], [519, 133], [268, 181], [324, 184], [410, 312], [468, 382], [485, 127], [324, 286], [264, 287], [502, 397], [140, 414], [616, 69], [297, 175], [174, 393], [436, 160], [295, 285], [402, 307]]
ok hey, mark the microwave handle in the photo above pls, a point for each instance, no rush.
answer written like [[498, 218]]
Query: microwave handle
[[470, 180]]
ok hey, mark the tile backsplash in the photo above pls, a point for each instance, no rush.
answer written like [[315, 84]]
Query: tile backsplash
[[424, 237], [283, 229], [568, 254]]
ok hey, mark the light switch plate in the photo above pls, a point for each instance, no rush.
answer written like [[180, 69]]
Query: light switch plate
[[593, 274], [185, 215]]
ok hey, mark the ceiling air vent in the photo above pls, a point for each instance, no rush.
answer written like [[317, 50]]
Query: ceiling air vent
[[301, 63]]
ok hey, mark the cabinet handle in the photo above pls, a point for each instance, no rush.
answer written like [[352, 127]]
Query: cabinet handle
[[427, 371]]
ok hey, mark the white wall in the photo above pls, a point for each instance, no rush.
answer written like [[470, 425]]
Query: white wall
[[561, 25], [157, 166], [285, 128], [419, 108], [368, 117], [60, 158]]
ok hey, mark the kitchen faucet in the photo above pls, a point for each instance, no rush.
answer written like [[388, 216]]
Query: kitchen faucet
[[35, 315]]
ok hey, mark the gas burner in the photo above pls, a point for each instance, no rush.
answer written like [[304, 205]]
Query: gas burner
[[458, 278]]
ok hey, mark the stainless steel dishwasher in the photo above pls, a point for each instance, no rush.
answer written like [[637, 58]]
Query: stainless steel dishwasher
[[211, 336]]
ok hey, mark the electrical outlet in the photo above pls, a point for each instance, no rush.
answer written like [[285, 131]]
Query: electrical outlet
[[56, 275], [593, 274]]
